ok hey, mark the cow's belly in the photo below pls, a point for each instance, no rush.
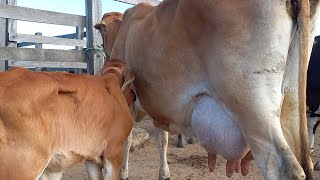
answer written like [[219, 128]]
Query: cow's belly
[[194, 110], [166, 93], [62, 160]]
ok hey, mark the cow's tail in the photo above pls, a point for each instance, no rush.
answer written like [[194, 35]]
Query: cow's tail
[[303, 30]]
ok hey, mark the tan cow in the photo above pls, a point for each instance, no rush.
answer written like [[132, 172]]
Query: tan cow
[[52, 121], [232, 73], [109, 35]]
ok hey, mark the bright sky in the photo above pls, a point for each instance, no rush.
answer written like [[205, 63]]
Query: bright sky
[[71, 7]]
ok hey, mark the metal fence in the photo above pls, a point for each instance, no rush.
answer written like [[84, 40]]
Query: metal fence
[[11, 43], [11, 53]]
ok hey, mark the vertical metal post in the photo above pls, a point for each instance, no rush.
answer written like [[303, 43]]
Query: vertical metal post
[[79, 33], [39, 46], [3, 34], [93, 15], [11, 29]]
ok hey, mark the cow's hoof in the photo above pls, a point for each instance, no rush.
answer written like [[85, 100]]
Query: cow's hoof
[[124, 178], [164, 178], [317, 166], [181, 145], [192, 140]]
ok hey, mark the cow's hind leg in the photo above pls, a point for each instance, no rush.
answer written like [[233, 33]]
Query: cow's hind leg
[[270, 148], [265, 135], [291, 127], [162, 142], [124, 174], [259, 119]]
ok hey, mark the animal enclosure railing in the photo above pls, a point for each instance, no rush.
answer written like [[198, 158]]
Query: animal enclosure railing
[[12, 54], [84, 55]]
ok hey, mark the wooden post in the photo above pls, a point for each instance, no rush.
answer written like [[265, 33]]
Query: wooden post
[[93, 15]]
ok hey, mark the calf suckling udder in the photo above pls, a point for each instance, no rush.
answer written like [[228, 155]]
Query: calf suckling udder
[[218, 134]]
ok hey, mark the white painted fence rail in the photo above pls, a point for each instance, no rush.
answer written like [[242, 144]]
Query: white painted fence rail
[[83, 56]]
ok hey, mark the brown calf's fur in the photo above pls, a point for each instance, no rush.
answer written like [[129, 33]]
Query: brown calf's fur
[[52, 121]]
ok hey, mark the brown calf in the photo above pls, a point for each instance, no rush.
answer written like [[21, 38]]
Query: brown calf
[[52, 121]]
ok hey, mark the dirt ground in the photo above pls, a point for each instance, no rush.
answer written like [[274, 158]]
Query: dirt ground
[[189, 163]]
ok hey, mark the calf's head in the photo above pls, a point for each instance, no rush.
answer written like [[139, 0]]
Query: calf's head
[[125, 76]]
